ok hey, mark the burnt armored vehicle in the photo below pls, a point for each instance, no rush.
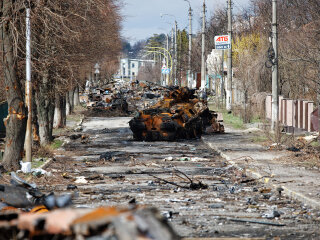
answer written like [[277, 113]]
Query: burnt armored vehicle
[[180, 115]]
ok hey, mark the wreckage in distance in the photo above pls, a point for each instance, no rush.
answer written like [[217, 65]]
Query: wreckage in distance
[[180, 115]]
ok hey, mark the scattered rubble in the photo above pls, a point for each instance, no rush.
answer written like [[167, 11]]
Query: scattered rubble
[[26, 213], [193, 188], [99, 223], [106, 102], [25, 196], [147, 172], [121, 100], [164, 113]]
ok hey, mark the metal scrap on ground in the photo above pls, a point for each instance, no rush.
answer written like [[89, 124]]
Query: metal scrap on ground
[[103, 223], [26, 213]]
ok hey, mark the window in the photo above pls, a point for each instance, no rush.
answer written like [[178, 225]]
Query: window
[[132, 65], [133, 73]]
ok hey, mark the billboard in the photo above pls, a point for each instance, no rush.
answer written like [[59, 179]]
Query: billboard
[[222, 42]]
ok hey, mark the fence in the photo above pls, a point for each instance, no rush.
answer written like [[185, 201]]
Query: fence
[[3, 114], [294, 114]]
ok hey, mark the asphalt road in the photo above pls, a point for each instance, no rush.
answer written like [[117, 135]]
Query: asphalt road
[[199, 193]]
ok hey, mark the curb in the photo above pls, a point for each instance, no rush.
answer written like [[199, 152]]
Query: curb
[[254, 174], [78, 125], [50, 160], [81, 120]]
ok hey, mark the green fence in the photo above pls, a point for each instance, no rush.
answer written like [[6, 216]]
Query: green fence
[[3, 114]]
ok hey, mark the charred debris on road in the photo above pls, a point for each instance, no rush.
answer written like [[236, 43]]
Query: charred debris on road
[[179, 115], [27, 213], [102, 175], [121, 100], [161, 113]]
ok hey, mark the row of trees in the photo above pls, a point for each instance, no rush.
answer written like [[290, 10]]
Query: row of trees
[[299, 46], [68, 38]]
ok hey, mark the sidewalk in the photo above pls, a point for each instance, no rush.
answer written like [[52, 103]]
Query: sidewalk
[[238, 148]]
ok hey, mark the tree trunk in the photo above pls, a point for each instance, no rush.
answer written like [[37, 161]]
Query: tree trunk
[[76, 98], [35, 124], [71, 100], [16, 120], [45, 104], [51, 117], [68, 106], [60, 111]]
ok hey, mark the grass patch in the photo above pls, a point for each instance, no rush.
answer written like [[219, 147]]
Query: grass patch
[[234, 121], [37, 164], [256, 119], [74, 117], [56, 144], [77, 114], [47, 151], [259, 139], [61, 131], [315, 144]]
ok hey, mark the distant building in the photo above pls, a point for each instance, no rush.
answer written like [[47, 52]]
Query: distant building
[[217, 79], [129, 68], [215, 63]]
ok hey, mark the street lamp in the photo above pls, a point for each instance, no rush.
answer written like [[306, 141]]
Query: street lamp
[[28, 140], [203, 63], [190, 45], [96, 71], [175, 45]]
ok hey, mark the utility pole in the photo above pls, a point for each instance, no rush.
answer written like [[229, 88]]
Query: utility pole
[[190, 49], [179, 60], [229, 80], [175, 52], [275, 93], [222, 75], [318, 98], [28, 140], [172, 49], [203, 63], [167, 75]]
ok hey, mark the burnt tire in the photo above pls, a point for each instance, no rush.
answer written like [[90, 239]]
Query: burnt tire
[[136, 125]]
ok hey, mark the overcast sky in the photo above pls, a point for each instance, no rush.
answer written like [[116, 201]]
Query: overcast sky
[[142, 18]]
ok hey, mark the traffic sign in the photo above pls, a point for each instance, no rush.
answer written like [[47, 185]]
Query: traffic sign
[[222, 42], [223, 46], [165, 70]]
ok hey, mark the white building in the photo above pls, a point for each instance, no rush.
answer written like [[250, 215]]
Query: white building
[[129, 68], [218, 80], [215, 63]]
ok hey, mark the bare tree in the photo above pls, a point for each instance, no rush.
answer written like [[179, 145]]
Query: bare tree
[[16, 120], [67, 36]]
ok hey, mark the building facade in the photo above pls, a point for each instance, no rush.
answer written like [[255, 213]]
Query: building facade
[[216, 70], [129, 68]]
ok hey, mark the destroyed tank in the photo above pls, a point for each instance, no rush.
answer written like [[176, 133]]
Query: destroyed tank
[[180, 115]]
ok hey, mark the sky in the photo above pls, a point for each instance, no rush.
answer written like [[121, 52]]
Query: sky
[[142, 18]]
